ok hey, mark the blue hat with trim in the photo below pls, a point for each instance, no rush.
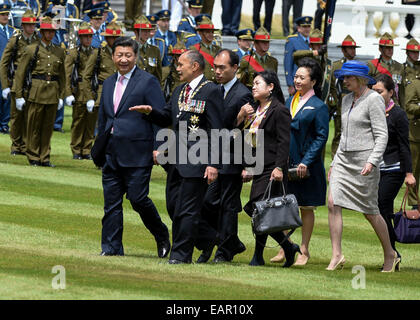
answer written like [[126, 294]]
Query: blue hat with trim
[[153, 18], [5, 7], [164, 14], [245, 34], [304, 21], [354, 68]]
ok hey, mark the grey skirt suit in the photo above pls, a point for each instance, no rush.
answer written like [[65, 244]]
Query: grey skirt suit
[[364, 138]]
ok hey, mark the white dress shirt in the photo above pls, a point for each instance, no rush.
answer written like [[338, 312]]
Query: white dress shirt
[[229, 85]]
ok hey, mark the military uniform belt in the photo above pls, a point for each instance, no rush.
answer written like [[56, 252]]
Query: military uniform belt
[[45, 77]]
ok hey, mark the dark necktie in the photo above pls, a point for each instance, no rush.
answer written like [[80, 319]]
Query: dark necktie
[[187, 93], [222, 89]]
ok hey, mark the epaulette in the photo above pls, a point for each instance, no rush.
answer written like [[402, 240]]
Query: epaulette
[[190, 35], [159, 39], [292, 36], [133, 37], [235, 50], [184, 19]]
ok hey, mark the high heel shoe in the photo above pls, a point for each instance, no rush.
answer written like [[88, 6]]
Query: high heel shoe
[[340, 264], [395, 264], [291, 255]]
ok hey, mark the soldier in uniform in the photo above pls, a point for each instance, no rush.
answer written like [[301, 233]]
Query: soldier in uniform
[[100, 64], [96, 20], [299, 41], [245, 38], [46, 65], [172, 80], [77, 93], [259, 60], [411, 67], [338, 90], [188, 24], [9, 62], [6, 33], [148, 58], [411, 98], [317, 49], [133, 11], [168, 39], [205, 29], [386, 65]]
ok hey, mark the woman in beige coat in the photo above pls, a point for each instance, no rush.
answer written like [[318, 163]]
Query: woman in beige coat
[[354, 173]]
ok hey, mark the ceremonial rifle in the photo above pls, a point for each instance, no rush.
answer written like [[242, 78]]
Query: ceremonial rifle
[[74, 78], [11, 67], [95, 76], [27, 82]]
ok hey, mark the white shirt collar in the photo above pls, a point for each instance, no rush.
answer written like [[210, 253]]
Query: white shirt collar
[[194, 83], [127, 75], [229, 85]]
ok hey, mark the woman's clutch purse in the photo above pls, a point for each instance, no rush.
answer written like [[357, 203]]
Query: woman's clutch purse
[[292, 174]]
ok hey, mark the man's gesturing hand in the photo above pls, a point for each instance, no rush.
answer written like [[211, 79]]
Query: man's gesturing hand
[[210, 174], [142, 109]]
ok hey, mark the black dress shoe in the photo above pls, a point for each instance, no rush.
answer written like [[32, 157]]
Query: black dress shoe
[[77, 157], [175, 261], [35, 163], [163, 248], [5, 130], [18, 153], [59, 130], [48, 164], [87, 157], [205, 255], [239, 249], [220, 259]]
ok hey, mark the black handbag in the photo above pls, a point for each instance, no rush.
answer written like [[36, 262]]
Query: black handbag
[[98, 150], [276, 214]]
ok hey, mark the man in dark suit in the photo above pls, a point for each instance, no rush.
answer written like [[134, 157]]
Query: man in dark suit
[[194, 110], [129, 151], [224, 195]]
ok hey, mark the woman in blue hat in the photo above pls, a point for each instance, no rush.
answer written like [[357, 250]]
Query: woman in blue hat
[[354, 173]]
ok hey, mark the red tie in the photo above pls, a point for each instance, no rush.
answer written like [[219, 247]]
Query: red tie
[[187, 93]]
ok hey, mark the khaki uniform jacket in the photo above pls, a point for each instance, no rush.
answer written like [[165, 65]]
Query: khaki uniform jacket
[[50, 62], [8, 52], [83, 91], [150, 61], [396, 69], [209, 69], [410, 73], [246, 72], [106, 69], [412, 107]]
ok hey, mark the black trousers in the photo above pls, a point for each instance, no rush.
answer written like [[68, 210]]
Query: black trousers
[[297, 12], [389, 185], [318, 17], [134, 182], [269, 7], [231, 16], [185, 197], [221, 207]]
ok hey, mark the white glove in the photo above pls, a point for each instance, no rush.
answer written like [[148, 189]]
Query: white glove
[[60, 104], [89, 105], [19, 103], [70, 100], [5, 93]]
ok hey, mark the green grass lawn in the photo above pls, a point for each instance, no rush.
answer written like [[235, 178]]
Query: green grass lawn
[[51, 217]]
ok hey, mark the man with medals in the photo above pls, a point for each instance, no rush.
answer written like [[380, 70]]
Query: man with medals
[[196, 104]]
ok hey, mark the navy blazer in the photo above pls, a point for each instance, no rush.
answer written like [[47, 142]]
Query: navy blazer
[[308, 136], [3, 38], [133, 135]]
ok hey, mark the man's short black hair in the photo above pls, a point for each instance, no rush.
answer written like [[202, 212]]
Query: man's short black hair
[[233, 57], [125, 42]]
